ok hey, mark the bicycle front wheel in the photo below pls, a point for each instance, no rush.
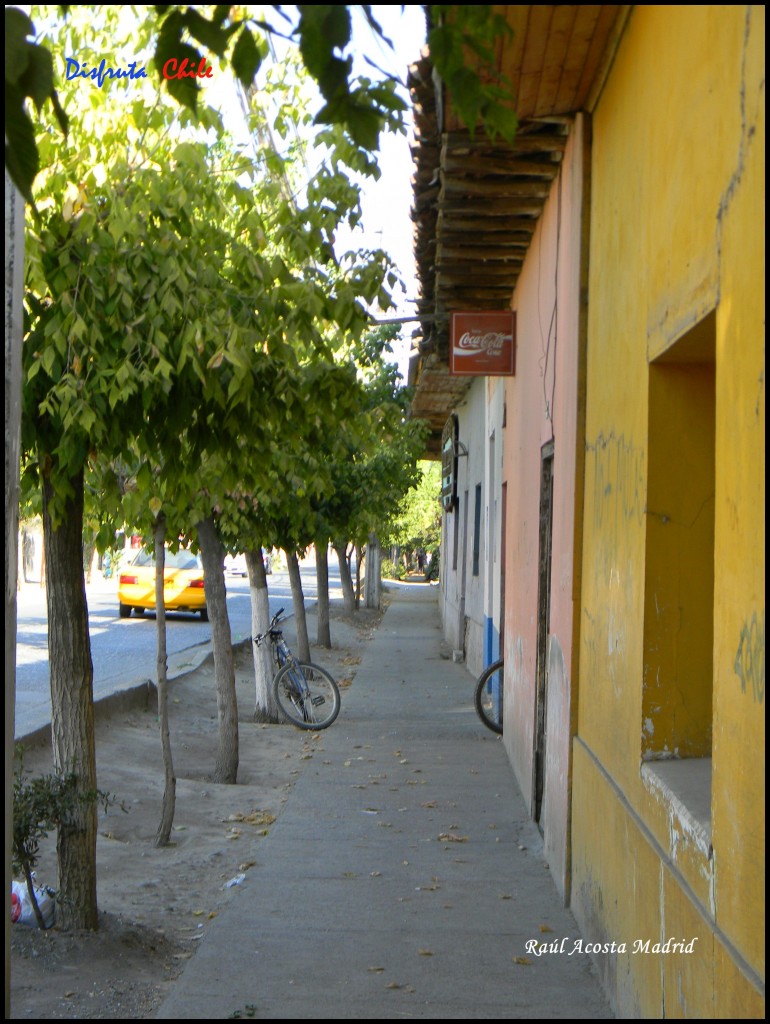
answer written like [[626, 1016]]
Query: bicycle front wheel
[[488, 697], [307, 695]]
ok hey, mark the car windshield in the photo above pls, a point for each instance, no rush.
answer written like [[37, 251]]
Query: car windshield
[[180, 559]]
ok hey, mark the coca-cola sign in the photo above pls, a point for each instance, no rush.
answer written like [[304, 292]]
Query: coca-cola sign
[[482, 343]]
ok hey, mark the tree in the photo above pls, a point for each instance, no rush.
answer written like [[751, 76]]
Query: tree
[[416, 523], [369, 478], [461, 40], [132, 308]]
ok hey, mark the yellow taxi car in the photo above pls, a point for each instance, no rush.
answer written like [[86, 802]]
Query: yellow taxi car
[[182, 590]]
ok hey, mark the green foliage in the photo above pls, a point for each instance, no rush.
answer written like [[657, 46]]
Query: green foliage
[[417, 522], [462, 47], [372, 458], [28, 75], [392, 570], [170, 314], [461, 40], [230, 34]]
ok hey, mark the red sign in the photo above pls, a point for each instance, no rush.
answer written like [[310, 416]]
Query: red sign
[[482, 344]]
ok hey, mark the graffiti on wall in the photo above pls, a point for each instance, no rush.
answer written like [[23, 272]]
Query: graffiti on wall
[[619, 481], [750, 658]]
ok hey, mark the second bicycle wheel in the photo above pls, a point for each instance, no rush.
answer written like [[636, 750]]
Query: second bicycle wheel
[[307, 695], [488, 697]]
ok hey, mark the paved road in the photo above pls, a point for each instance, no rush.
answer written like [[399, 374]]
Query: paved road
[[123, 650]]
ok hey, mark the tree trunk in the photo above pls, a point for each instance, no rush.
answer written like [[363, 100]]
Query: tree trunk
[[373, 572], [265, 708], [212, 556], [360, 555], [72, 703], [324, 635], [169, 792], [348, 594], [298, 601]]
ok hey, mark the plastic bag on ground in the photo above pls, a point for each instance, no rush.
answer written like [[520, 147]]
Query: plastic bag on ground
[[22, 911]]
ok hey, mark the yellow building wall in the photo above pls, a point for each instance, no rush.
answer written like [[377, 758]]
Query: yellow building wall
[[677, 249]]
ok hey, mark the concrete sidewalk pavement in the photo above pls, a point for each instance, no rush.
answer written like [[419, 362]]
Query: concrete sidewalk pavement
[[404, 877]]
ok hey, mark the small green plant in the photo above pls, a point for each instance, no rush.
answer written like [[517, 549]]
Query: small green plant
[[40, 805], [432, 570], [390, 570]]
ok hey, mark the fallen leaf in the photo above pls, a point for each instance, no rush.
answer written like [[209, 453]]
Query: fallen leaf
[[376, 970], [522, 960], [452, 837], [255, 818], [545, 928], [425, 952]]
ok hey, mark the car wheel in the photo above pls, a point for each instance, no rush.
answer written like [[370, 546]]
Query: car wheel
[[204, 615], [124, 610]]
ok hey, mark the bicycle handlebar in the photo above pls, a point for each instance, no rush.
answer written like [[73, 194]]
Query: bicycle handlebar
[[273, 623]]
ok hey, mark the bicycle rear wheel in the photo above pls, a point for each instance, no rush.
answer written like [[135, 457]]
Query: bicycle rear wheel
[[488, 697], [307, 695]]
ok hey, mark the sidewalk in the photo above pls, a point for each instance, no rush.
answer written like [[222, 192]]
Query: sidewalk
[[404, 876]]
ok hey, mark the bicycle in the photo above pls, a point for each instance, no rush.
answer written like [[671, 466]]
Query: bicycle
[[306, 694], [488, 696]]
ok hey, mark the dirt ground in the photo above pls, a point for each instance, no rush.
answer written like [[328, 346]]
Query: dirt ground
[[155, 904]]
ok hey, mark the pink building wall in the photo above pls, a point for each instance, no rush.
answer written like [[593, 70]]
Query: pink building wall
[[543, 405]]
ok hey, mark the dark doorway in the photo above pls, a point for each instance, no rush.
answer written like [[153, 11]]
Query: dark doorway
[[543, 621]]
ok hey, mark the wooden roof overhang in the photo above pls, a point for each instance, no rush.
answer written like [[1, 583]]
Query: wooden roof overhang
[[476, 201]]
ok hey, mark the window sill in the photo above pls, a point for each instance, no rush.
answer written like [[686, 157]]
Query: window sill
[[686, 786]]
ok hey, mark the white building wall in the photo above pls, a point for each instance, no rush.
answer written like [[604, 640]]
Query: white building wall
[[470, 578]]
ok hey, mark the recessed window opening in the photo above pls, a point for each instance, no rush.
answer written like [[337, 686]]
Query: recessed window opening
[[679, 554]]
